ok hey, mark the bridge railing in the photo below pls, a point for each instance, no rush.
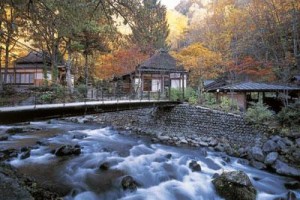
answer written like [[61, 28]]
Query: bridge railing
[[30, 95]]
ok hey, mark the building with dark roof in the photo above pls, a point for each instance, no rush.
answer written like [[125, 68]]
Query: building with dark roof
[[31, 69], [159, 73], [246, 92]]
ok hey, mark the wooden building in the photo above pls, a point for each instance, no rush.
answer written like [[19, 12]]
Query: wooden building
[[158, 74], [31, 70], [246, 92]]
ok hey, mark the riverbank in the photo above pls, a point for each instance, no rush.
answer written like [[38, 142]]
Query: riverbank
[[195, 126], [85, 160]]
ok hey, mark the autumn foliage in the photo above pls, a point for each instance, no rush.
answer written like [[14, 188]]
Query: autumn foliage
[[118, 63], [249, 68], [200, 61]]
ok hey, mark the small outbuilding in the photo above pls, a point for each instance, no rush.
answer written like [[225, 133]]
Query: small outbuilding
[[246, 92]]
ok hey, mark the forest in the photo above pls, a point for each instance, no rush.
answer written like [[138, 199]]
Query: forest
[[99, 39]]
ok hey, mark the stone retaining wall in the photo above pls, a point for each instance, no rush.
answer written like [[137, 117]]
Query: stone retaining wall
[[188, 122]]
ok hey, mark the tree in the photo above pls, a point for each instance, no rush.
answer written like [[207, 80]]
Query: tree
[[201, 62], [149, 26], [178, 26], [119, 62], [10, 23]]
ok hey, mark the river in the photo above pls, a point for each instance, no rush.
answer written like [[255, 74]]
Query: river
[[161, 172]]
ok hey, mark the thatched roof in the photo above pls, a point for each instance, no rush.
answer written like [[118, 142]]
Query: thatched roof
[[161, 61]]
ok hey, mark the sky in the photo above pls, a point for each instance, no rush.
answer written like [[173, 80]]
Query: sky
[[170, 3]]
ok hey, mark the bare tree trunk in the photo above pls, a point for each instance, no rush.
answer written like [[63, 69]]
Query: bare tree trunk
[[68, 68], [86, 73], [1, 81], [296, 38], [6, 58]]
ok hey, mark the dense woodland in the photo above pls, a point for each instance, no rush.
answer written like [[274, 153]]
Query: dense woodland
[[98, 39]]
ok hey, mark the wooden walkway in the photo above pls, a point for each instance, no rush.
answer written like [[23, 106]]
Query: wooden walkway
[[18, 114]]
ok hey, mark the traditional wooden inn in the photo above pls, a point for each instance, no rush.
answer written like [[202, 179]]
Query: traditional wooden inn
[[246, 92], [33, 69], [156, 75]]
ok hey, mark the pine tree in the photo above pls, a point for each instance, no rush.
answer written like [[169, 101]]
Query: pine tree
[[150, 28]]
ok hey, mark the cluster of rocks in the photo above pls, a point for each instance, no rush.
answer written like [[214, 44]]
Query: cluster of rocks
[[278, 153]]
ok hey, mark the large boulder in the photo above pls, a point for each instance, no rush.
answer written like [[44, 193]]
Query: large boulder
[[270, 146], [194, 166], [128, 183], [67, 150], [271, 158], [284, 169], [235, 185], [257, 154]]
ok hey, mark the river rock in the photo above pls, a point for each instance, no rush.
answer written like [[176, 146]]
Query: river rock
[[15, 130], [257, 165], [293, 185], [67, 150], [213, 142], [291, 196], [281, 144], [271, 158], [128, 183], [79, 136], [235, 185], [243, 161], [194, 166], [296, 155], [203, 144], [257, 154], [242, 152], [276, 138], [3, 137], [11, 188], [284, 169], [298, 142], [104, 166], [219, 147], [25, 154], [287, 141], [269, 146], [8, 153]]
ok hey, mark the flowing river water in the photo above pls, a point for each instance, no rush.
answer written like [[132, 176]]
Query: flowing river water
[[162, 172]]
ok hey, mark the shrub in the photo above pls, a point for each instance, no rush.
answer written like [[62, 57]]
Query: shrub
[[228, 104], [209, 98], [259, 113], [190, 95], [47, 97], [9, 90], [290, 116], [176, 94], [81, 90]]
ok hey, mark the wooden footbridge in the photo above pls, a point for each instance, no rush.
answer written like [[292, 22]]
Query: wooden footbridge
[[18, 114]]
